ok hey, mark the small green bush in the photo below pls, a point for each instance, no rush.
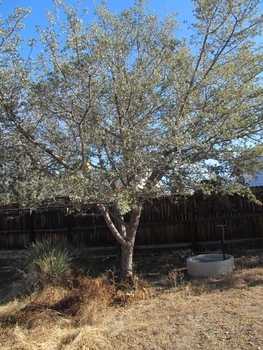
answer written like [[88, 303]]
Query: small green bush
[[44, 263]]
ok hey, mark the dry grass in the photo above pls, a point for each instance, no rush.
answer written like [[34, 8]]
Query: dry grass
[[168, 311]]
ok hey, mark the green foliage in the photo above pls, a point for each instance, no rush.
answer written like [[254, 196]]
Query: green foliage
[[44, 263], [122, 109], [134, 101]]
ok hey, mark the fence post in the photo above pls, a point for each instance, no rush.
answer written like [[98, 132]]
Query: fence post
[[68, 229], [193, 226], [32, 238], [222, 231]]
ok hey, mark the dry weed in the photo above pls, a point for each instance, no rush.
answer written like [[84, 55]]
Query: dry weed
[[49, 296], [176, 277], [11, 308], [202, 313]]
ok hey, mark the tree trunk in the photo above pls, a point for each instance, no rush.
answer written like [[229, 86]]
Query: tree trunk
[[127, 260], [125, 233]]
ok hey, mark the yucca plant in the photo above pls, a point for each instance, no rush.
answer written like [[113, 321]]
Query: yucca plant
[[44, 263]]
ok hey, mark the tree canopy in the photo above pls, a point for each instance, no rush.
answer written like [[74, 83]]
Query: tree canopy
[[124, 109]]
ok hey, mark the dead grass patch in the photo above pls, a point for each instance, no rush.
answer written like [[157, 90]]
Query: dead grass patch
[[185, 314]]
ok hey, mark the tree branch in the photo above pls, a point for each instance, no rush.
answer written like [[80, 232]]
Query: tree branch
[[35, 142]]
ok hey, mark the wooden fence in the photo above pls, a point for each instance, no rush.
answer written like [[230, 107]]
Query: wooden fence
[[166, 222]]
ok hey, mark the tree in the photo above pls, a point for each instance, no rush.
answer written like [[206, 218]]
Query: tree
[[122, 110]]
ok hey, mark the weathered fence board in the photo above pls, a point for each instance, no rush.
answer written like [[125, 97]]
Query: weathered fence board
[[166, 221]]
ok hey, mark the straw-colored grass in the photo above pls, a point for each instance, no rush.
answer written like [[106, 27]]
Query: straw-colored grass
[[167, 311]]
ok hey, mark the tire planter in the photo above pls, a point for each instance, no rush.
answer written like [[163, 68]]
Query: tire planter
[[210, 265]]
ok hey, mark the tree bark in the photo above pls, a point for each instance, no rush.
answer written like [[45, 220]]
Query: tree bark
[[127, 261], [125, 233]]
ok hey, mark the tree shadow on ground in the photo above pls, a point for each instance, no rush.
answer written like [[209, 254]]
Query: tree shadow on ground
[[248, 273], [7, 276], [164, 271]]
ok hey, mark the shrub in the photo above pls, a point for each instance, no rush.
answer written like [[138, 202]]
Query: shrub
[[44, 263]]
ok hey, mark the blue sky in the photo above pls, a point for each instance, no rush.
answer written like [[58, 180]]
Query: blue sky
[[39, 8]]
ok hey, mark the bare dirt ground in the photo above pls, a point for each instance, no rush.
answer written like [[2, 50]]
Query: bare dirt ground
[[167, 310]]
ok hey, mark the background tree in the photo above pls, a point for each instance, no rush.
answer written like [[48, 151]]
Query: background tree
[[123, 110]]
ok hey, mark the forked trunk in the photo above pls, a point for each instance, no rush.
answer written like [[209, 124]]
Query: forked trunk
[[125, 233]]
